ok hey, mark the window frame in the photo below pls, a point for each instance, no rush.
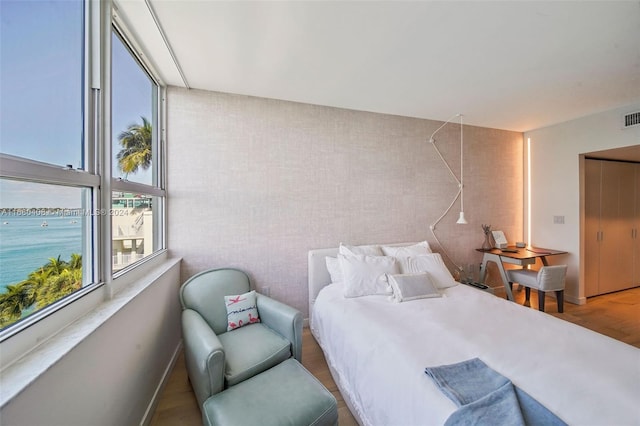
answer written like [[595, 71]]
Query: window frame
[[99, 21]]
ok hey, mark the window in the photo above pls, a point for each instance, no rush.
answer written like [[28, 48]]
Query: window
[[53, 212], [133, 96], [42, 65], [138, 196], [42, 246]]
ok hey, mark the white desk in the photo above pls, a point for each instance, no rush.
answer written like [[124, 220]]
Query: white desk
[[523, 257]]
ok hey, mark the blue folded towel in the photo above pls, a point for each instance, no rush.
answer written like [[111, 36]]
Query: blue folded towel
[[485, 397]]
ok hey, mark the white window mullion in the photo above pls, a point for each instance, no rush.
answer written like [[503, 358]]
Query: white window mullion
[[136, 188], [104, 144], [161, 230], [93, 127], [19, 168]]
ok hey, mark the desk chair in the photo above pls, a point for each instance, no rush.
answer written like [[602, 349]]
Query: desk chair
[[548, 278]]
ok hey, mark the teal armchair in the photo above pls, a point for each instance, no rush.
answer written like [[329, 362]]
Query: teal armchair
[[217, 358]]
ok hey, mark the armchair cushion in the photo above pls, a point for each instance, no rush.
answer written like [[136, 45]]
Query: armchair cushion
[[251, 350]]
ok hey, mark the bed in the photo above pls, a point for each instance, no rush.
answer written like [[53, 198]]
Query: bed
[[377, 351]]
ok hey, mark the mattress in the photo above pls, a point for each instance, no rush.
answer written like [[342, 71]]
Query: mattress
[[378, 350]]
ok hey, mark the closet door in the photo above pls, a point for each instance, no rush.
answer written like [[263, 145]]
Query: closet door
[[626, 219], [617, 207], [592, 226]]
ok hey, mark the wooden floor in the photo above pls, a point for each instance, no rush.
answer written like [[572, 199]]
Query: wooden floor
[[616, 315]]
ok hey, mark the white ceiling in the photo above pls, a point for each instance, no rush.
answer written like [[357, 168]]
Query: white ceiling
[[513, 65]]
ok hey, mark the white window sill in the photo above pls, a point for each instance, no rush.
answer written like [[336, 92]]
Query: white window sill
[[18, 375]]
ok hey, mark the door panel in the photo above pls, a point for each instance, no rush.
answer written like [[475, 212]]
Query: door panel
[[616, 246], [592, 226]]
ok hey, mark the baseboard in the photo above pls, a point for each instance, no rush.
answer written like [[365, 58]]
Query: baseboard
[[575, 300], [151, 408]]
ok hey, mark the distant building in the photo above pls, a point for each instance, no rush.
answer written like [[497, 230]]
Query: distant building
[[132, 229]]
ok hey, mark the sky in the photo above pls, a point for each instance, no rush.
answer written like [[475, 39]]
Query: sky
[[41, 102]]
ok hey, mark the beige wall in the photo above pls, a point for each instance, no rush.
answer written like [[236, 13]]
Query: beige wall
[[255, 183]]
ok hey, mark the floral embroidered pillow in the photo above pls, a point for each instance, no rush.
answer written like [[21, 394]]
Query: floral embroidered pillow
[[241, 310]]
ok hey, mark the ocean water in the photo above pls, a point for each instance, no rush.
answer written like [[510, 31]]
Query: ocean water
[[25, 245]]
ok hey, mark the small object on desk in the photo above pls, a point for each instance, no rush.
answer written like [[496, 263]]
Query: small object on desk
[[508, 250], [500, 239], [476, 285], [521, 245]]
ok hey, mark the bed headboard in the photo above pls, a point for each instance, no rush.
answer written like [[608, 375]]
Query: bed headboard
[[318, 273]]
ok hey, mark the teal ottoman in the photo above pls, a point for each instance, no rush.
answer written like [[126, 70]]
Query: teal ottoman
[[286, 394]]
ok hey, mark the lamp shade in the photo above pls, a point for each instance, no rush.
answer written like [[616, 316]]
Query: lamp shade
[[462, 220]]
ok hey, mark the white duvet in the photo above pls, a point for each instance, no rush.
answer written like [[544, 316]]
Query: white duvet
[[379, 350]]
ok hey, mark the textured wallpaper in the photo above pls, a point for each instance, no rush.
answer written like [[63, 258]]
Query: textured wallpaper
[[255, 183]]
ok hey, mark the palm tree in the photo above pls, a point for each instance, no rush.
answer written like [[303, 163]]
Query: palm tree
[[16, 298], [55, 266], [136, 148], [76, 261], [59, 286], [44, 286], [40, 276], [57, 279]]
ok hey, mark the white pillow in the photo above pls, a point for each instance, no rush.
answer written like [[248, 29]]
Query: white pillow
[[241, 310], [412, 286], [407, 251], [366, 275], [371, 250], [335, 271], [431, 263]]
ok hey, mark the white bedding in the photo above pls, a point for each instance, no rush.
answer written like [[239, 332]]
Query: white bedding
[[378, 351]]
